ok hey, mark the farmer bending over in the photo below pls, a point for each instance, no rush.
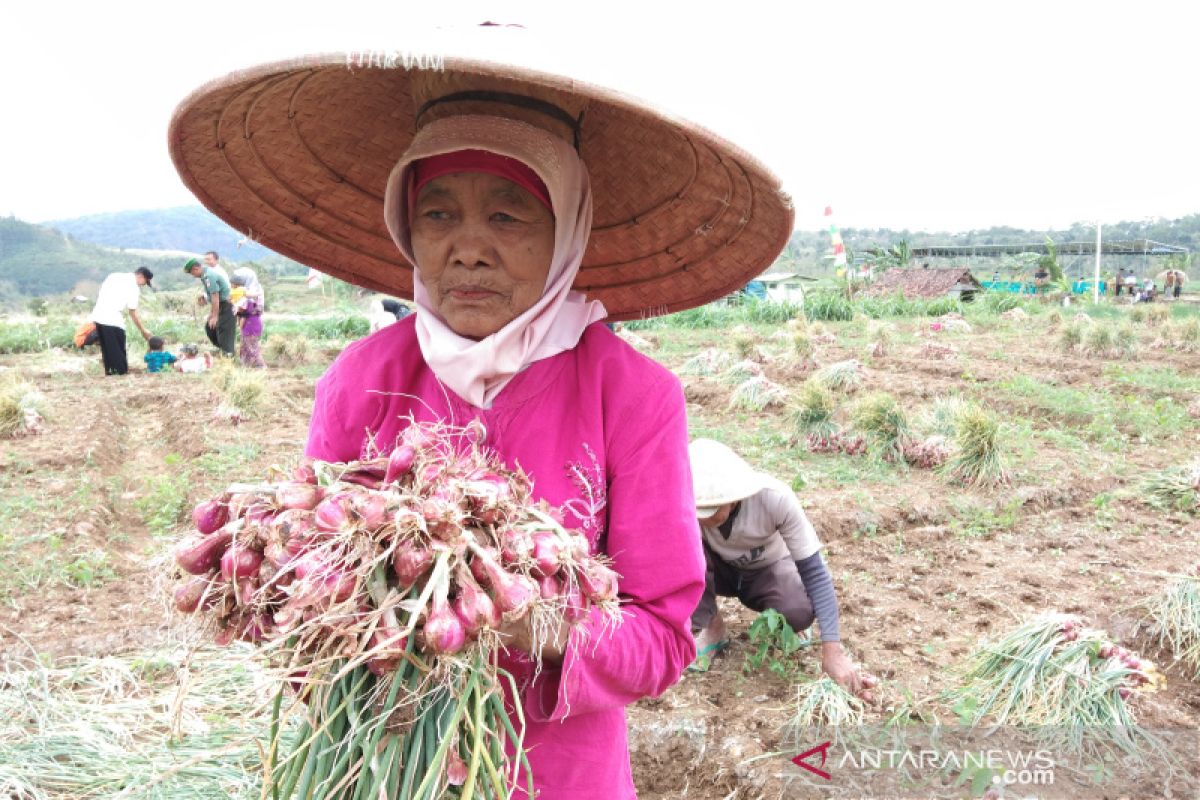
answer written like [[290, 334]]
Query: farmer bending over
[[760, 548], [221, 325]]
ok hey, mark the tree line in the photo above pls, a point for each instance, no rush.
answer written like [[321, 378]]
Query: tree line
[[807, 251]]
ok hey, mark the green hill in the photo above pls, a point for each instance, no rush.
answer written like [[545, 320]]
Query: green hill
[[38, 261], [74, 255], [190, 228]]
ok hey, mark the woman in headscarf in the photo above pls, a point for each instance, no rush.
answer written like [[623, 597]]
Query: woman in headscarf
[[492, 174], [499, 336], [249, 309], [248, 280]]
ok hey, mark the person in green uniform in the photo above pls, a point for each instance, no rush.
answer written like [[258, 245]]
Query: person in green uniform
[[221, 325]]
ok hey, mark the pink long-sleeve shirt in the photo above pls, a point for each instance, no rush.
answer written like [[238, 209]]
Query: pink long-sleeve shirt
[[602, 431]]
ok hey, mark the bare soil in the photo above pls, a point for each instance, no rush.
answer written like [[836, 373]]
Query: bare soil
[[917, 591], [117, 436]]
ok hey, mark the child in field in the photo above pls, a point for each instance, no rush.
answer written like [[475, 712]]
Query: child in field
[[192, 360], [156, 358]]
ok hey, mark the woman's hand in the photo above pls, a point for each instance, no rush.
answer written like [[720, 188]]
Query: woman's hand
[[518, 634], [838, 666]]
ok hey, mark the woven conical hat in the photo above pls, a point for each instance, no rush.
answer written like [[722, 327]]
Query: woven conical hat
[[296, 156], [720, 476]]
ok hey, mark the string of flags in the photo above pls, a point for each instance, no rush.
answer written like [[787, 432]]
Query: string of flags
[[838, 252], [839, 247]]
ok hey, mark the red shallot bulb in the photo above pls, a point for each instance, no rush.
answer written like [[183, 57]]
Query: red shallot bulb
[[444, 631], [323, 578], [210, 516], [456, 768], [599, 583], [304, 473], [189, 594], [512, 593], [417, 437], [297, 495], [331, 513], [246, 587], [546, 553], [371, 508], [201, 554], [515, 546], [240, 561], [259, 515], [579, 547], [474, 607], [489, 492], [410, 561], [400, 462]]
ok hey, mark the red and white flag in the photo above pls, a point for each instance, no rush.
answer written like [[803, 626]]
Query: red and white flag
[[835, 237]]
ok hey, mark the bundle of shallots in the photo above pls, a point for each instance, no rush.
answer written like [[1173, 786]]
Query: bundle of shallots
[[927, 453], [381, 589], [837, 442]]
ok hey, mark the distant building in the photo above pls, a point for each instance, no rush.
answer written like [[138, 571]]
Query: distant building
[[784, 287], [927, 283]]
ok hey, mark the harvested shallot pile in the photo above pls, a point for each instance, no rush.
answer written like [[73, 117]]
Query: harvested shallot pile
[[1066, 681], [1173, 615], [382, 590]]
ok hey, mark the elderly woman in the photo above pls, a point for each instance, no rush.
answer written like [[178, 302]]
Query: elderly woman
[[489, 199], [249, 309]]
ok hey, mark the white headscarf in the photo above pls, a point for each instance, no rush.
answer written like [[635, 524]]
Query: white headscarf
[[478, 370], [250, 283]]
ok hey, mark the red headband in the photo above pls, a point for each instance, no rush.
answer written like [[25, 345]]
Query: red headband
[[426, 169]]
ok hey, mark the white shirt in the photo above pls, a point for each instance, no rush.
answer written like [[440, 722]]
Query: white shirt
[[196, 364], [118, 292]]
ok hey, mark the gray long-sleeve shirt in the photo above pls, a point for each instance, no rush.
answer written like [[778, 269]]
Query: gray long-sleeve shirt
[[771, 526]]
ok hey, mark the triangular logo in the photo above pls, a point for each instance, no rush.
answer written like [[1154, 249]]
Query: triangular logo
[[823, 749]]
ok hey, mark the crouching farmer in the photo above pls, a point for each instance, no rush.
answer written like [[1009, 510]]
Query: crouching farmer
[[760, 548]]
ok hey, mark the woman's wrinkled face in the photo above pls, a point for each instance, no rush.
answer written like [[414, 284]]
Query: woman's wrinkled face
[[483, 245]]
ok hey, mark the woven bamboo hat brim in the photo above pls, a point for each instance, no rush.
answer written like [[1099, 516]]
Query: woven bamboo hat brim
[[296, 156]]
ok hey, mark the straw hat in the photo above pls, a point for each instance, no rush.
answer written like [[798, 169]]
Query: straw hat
[[721, 476], [296, 155]]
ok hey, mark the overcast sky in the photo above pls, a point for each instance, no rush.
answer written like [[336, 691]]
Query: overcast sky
[[928, 116]]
